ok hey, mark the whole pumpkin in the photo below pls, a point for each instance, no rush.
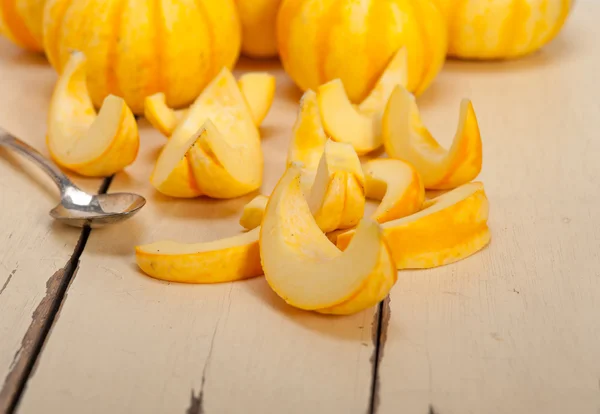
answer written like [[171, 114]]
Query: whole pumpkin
[[321, 40], [498, 29], [258, 27], [21, 22], [136, 48]]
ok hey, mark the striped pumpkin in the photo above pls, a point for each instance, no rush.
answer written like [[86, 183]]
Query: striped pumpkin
[[21, 22], [498, 29], [136, 48], [321, 40]]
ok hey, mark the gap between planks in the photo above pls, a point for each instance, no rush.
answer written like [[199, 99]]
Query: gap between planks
[[42, 320]]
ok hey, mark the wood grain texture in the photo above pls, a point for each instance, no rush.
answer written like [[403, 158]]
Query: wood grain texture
[[126, 343], [34, 251], [514, 329]]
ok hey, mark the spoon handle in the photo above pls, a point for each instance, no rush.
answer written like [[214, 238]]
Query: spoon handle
[[61, 180]]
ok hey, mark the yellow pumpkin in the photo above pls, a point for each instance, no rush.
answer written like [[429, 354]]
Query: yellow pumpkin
[[21, 22], [498, 29], [353, 40], [136, 48], [258, 27]]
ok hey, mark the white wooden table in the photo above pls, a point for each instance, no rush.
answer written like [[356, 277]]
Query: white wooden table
[[513, 329]]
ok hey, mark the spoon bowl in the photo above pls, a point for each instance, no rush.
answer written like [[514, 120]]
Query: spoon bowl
[[78, 208], [99, 211]]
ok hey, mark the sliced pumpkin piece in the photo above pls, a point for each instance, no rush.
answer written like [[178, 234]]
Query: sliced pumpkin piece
[[216, 144], [308, 137], [360, 126], [173, 175], [337, 197], [450, 227], [406, 138], [258, 89], [398, 186], [306, 270], [160, 116], [226, 260], [90, 144], [253, 212]]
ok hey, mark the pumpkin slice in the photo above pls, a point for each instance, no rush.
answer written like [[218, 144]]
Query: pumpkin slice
[[253, 212], [337, 197], [226, 260], [406, 138], [257, 88], [451, 227], [94, 145], [360, 126], [173, 175], [397, 185], [306, 270], [160, 115], [215, 149], [308, 138]]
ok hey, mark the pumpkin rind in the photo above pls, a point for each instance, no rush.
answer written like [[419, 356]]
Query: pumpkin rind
[[501, 29], [21, 22]]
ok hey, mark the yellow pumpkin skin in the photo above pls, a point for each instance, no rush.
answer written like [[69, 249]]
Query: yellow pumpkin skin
[[258, 27], [501, 29], [354, 39], [21, 22], [136, 48]]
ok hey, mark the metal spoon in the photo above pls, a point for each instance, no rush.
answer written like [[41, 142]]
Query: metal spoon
[[78, 208]]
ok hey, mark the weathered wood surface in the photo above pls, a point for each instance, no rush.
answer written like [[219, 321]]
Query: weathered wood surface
[[35, 252]]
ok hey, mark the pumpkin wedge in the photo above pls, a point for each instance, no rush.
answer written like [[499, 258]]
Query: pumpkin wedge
[[337, 197], [306, 270], [360, 126], [406, 138], [449, 228], [90, 144], [225, 260], [397, 185], [258, 89]]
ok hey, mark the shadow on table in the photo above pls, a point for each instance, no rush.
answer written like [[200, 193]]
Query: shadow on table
[[328, 325]]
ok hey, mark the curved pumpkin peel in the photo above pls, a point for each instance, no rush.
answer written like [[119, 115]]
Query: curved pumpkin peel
[[257, 88], [405, 138], [215, 150], [451, 227], [253, 212], [397, 185], [95, 145], [305, 269], [226, 260], [360, 125]]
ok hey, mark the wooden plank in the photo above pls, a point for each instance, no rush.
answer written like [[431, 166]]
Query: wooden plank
[[515, 328], [34, 251], [126, 343]]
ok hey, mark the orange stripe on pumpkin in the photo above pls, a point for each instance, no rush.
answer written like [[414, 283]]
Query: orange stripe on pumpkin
[[15, 28]]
